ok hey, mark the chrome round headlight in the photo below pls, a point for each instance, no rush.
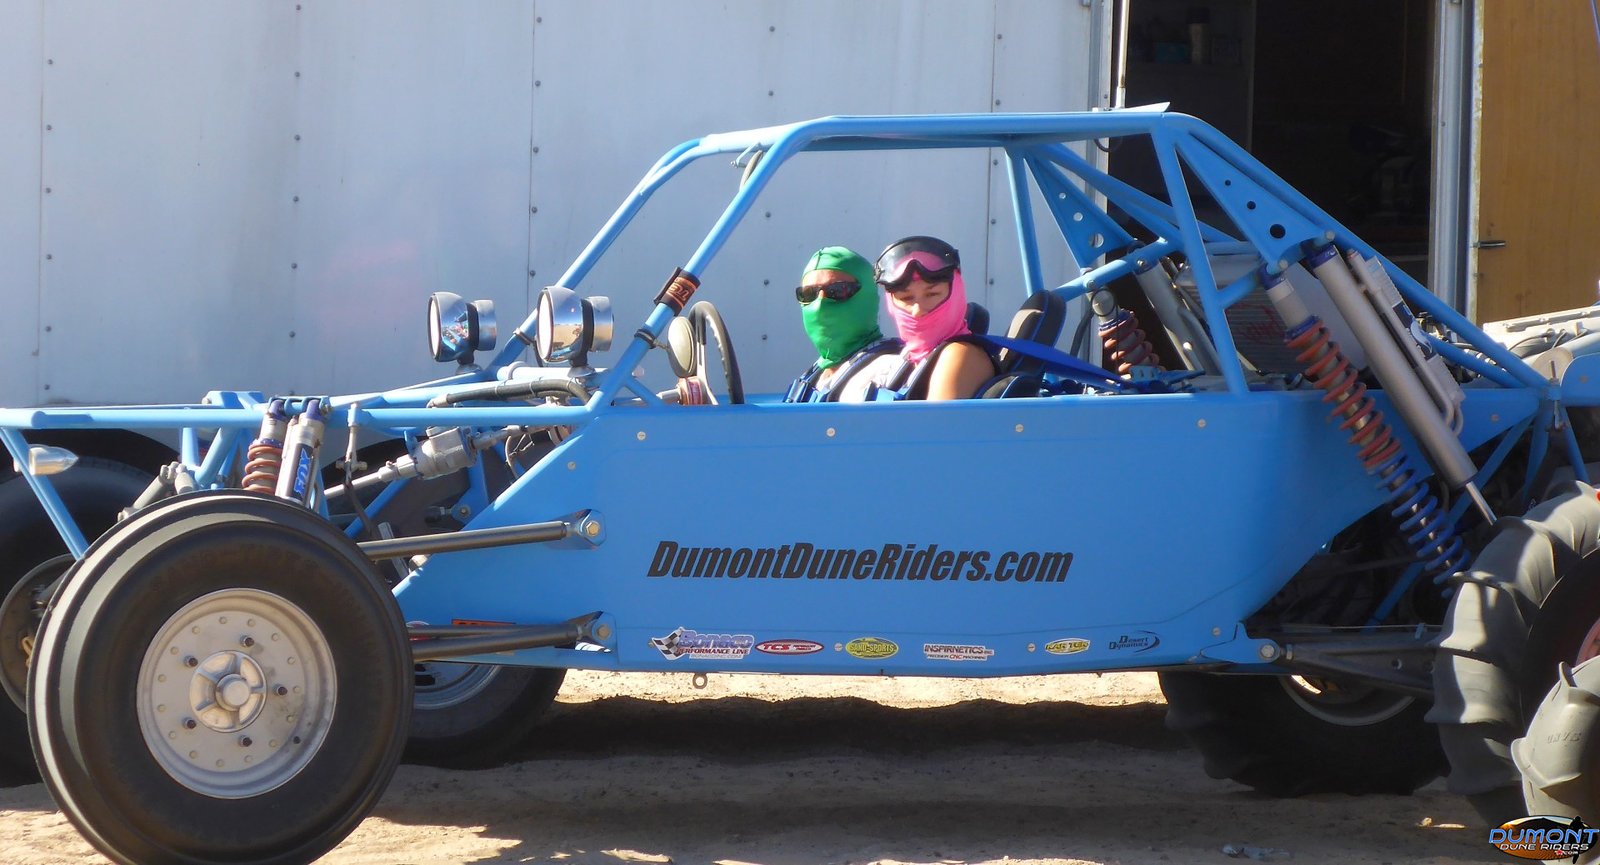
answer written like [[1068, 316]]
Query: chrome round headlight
[[457, 328], [571, 326]]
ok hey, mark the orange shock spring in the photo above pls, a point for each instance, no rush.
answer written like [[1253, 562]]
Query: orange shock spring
[[1125, 343], [1425, 527], [1328, 368], [264, 457], [263, 460]]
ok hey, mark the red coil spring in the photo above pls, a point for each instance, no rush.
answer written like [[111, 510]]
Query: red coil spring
[[1329, 369], [1125, 344], [261, 467]]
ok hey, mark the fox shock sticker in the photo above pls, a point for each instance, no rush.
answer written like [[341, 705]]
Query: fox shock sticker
[[678, 290]]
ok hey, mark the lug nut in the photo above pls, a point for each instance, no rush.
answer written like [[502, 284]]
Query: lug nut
[[188, 724], [244, 742], [282, 691], [190, 662], [247, 642]]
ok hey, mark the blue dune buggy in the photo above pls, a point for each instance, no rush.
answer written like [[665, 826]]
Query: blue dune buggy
[[1364, 538]]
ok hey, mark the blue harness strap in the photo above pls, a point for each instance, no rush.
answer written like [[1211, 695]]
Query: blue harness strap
[[1066, 366]]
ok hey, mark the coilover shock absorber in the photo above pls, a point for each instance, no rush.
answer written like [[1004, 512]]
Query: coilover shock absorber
[[1425, 527], [265, 455], [1125, 343]]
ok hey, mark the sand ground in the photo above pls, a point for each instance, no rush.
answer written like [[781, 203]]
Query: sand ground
[[785, 771]]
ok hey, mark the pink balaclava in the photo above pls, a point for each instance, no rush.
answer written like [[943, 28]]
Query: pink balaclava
[[948, 319]]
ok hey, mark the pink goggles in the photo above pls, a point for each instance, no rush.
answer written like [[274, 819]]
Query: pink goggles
[[928, 257]]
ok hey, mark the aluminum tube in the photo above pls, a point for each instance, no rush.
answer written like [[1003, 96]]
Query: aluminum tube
[[1161, 293], [468, 539], [1405, 391]]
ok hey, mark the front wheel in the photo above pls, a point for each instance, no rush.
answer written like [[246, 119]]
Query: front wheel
[[1292, 736], [223, 678]]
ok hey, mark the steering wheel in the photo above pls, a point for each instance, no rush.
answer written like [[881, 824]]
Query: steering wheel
[[688, 340]]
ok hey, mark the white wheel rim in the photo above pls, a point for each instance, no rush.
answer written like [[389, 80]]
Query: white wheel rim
[[1345, 707], [236, 693], [441, 686]]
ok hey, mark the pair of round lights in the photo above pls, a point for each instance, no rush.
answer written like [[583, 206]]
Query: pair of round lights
[[569, 326]]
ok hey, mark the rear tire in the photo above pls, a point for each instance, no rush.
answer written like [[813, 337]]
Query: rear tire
[[94, 491], [223, 678], [470, 716], [1291, 738], [1559, 755], [1523, 607]]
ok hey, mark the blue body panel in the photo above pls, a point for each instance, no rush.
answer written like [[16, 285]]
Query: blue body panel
[[970, 538]]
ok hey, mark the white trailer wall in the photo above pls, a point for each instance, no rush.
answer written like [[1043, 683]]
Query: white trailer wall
[[261, 195]]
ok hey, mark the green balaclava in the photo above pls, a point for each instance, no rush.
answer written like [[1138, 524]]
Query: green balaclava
[[838, 328]]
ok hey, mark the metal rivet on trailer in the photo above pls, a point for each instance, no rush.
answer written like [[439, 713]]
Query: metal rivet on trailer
[[1269, 652], [838, 647], [297, 73], [1019, 427], [997, 37], [771, 29], [997, 102], [536, 83], [533, 210], [1201, 423], [769, 92], [1216, 632], [538, 20], [831, 432], [294, 265], [48, 328], [571, 465], [640, 435], [297, 198], [536, 148], [603, 632], [47, 190], [1494, 418], [297, 138], [49, 257], [1031, 647]]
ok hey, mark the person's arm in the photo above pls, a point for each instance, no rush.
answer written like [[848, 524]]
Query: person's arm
[[959, 371]]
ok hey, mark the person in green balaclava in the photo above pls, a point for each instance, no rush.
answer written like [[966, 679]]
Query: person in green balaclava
[[839, 308]]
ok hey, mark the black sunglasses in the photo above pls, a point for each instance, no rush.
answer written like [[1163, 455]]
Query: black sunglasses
[[916, 268], [842, 289]]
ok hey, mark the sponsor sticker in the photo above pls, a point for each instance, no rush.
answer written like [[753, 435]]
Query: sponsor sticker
[[871, 648], [956, 652], [685, 643], [1544, 837], [1139, 643], [1067, 646], [789, 647]]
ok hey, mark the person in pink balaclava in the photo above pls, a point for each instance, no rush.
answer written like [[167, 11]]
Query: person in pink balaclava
[[927, 301]]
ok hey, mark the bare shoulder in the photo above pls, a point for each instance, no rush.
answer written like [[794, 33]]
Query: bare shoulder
[[962, 368]]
